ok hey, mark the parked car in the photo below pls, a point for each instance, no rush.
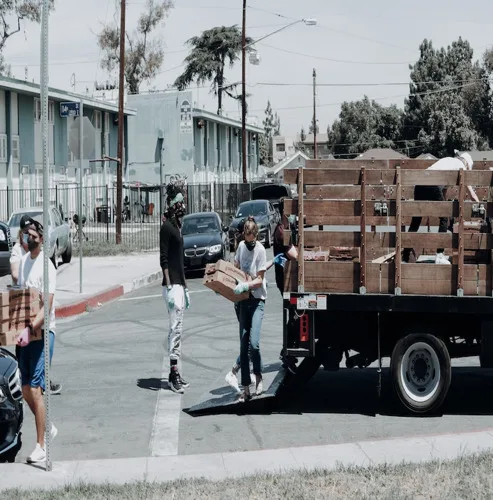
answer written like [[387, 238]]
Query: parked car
[[5, 249], [272, 192], [266, 217], [205, 240], [59, 231], [11, 409]]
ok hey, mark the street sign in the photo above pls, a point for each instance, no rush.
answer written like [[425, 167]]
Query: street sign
[[69, 109]]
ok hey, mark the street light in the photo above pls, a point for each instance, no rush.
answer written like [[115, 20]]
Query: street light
[[255, 59]]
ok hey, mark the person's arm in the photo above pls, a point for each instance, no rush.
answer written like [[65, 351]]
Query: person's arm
[[164, 238], [15, 261], [473, 194], [262, 266]]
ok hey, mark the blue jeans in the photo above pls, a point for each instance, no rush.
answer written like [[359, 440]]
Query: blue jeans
[[32, 362], [251, 317]]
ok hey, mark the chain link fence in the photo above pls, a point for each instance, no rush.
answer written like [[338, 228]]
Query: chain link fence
[[142, 208]]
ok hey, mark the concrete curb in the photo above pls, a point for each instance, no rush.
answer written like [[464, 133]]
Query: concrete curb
[[227, 465], [94, 301]]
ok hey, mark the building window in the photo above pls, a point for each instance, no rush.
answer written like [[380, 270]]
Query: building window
[[107, 123], [37, 111], [281, 148], [97, 120], [16, 154]]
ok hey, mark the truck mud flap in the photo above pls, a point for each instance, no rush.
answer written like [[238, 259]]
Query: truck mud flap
[[223, 399]]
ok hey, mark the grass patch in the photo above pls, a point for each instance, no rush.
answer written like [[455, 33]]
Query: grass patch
[[467, 477]]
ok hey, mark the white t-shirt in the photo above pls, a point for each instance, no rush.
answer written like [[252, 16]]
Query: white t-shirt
[[252, 262], [17, 253], [448, 164], [31, 275]]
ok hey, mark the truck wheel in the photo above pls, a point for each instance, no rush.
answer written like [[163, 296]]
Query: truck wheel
[[421, 372]]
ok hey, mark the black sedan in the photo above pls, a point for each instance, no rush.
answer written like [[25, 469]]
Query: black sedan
[[204, 240], [11, 411], [265, 215]]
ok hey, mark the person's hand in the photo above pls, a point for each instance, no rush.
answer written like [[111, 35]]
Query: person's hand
[[23, 339], [169, 297], [280, 260], [240, 288], [187, 298]]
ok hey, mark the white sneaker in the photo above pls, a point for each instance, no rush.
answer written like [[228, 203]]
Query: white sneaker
[[260, 388], [38, 455], [441, 259], [53, 432], [233, 381]]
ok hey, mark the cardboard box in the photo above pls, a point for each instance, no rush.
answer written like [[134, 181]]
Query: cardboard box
[[228, 269], [224, 285], [10, 338]]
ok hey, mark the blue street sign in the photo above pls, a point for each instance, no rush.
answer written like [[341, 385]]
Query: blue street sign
[[69, 109]]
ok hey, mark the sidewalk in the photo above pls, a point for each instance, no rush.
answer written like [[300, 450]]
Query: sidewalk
[[103, 279], [218, 466]]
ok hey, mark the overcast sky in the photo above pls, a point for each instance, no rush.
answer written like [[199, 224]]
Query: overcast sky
[[355, 42]]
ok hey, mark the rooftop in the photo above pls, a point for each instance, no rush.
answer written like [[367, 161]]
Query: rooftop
[[23, 87], [381, 154]]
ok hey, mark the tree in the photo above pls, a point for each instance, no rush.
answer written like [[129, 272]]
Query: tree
[[144, 55], [310, 131], [449, 106], [302, 134], [264, 150], [12, 12], [211, 52], [363, 125], [277, 125]]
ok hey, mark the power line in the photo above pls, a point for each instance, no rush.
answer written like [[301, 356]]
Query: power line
[[378, 84], [342, 61]]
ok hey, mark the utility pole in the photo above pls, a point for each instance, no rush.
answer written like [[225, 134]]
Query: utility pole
[[314, 114], [243, 96], [121, 120]]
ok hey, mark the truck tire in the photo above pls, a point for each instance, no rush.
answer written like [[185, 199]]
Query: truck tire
[[421, 372]]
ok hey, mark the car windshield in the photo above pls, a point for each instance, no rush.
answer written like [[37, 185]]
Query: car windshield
[[15, 221], [251, 208], [200, 225]]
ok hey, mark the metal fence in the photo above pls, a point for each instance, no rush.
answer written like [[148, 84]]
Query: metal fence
[[143, 208]]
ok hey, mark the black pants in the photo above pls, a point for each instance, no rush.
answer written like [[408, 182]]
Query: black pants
[[426, 193]]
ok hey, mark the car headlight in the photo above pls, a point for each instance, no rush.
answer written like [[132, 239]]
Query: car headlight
[[3, 397], [214, 249]]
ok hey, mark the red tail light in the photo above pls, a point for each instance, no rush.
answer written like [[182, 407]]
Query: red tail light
[[304, 328]]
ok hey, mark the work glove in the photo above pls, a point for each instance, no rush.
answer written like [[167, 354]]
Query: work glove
[[187, 298], [170, 298], [280, 260], [23, 338], [240, 288]]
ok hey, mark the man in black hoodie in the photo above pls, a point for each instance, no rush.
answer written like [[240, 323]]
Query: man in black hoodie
[[175, 291]]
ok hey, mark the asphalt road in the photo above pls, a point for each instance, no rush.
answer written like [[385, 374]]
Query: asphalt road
[[115, 405]]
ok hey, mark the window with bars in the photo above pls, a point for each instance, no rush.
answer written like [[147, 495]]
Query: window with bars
[[37, 111], [16, 153], [97, 120], [3, 148]]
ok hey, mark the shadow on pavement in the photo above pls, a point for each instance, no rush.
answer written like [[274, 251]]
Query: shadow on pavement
[[152, 384], [356, 392]]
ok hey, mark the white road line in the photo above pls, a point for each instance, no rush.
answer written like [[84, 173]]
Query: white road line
[[157, 295], [166, 425]]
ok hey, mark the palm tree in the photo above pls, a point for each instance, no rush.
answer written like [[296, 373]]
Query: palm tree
[[208, 58]]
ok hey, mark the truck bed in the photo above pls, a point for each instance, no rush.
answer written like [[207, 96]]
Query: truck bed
[[376, 199]]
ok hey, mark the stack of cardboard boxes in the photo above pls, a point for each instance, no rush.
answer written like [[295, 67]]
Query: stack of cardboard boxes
[[222, 277], [18, 307]]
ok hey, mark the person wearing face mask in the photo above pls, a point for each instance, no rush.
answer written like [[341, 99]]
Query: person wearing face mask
[[18, 251], [251, 258], [175, 291], [31, 360]]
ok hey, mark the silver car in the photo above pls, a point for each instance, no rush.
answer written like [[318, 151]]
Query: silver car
[[59, 232]]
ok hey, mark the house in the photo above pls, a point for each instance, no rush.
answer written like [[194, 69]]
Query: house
[[296, 160], [323, 149], [381, 154], [283, 147], [426, 156], [169, 137]]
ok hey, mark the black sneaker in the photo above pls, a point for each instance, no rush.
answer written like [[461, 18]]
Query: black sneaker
[[289, 363], [174, 382], [184, 383], [55, 388]]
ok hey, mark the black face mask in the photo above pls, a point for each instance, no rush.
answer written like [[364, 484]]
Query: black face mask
[[32, 245], [250, 244]]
